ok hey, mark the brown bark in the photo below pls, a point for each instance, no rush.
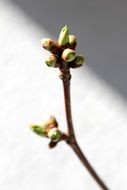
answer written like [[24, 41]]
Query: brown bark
[[71, 140]]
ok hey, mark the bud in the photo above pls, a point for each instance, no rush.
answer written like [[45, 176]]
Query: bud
[[63, 37], [50, 45], [51, 61], [52, 144], [54, 134], [68, 55], [49, 124], [79, 60], [39, 130], [72, 40], [52, 121], [47, 43]]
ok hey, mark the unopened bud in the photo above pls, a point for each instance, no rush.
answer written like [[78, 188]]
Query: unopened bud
[[68, 55], [52, 121], [52, 144], [47, 43], [49, 124], [72, 40], [79, 60], [38, 130], [50, 45], [63, 37], [54, 134], [51, 61]]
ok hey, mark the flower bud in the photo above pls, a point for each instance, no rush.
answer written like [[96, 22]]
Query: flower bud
[[50, 45], [72, 40], [54, 134], [47, 43], [79, 60], [52, 121], [51, 61], [39, 130], [63, 37], [68, 55]]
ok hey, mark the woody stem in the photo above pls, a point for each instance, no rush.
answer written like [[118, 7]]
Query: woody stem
[[71, 140]]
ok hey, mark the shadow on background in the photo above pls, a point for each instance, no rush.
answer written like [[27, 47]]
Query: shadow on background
[[100, 26]]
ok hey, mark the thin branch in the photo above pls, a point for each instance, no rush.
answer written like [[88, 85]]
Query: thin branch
[[86, 163], [66, 77], [64, 57]]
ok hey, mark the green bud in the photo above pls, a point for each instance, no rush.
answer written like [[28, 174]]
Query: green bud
[[51, 61], [54, 134], [79, 60], [38, 130], [68, 55], [63, 37], [72, 40]]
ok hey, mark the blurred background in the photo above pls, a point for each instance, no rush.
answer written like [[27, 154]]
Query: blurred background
[[30, 92]]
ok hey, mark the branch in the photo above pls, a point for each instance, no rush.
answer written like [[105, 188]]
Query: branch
[[71, 141], [64, 57]]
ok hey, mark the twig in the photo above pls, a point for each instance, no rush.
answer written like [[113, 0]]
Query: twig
[[64, 57], [71, 140]]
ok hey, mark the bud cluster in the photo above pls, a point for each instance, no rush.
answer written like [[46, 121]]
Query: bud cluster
[[48, 129], [63, 51]]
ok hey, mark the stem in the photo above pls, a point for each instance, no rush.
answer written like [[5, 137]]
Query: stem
[[66, 86], [66, 77]]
